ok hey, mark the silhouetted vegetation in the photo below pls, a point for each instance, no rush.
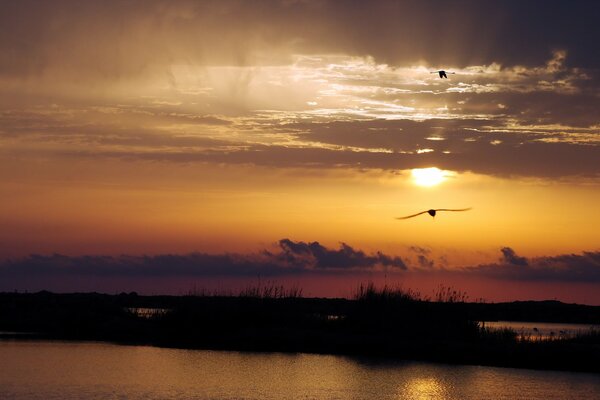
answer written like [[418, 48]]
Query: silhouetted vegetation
[[386, 322]]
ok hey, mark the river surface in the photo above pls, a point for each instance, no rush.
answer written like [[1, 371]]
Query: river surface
[[542, 330], [89, 370]]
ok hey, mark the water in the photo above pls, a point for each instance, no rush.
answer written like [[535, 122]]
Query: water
[[543, 330], [146, 312], [69, 370]]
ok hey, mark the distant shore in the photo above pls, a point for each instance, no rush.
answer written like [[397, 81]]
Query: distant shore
[[385, 322]]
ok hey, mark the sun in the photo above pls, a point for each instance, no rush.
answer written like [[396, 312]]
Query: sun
[[428, 176]]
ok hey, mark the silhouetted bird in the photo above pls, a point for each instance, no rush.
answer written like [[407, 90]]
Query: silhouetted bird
[[432, 212], [442, 73]]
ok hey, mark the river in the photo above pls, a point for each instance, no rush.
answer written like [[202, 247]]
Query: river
[[90, 370], [542, 330]]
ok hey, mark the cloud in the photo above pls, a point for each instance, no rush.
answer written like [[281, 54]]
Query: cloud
[[583, 267], [319, 257], [541, 159], [129, 37], [510, 257], [290, 258], [536, 121], [423, 259]]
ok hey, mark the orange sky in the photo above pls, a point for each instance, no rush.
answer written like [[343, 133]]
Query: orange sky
[[114, 206]]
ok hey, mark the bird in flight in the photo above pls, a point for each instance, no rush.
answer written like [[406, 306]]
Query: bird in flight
[[432, 212], [442, 73]]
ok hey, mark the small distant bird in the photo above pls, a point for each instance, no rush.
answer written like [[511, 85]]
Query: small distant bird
[[442, 73], [432, 212]]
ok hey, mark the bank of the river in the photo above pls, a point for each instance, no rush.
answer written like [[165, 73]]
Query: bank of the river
[[390, 325]]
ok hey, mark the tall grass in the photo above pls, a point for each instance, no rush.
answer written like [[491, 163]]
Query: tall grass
[[369, 292], [442, 294], [270, 290], [447, 294], [260, 290]]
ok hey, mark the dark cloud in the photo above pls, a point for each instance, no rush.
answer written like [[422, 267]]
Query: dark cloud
[[131, 127], [583, 267], [131, 266], [120, 38], [423, 258], [524, 102], [425, 262], [510, 257], [320, 257], [291, 258], [487, 146], [540, 159]]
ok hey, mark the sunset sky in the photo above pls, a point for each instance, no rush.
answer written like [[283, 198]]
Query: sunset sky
[[165, 147]]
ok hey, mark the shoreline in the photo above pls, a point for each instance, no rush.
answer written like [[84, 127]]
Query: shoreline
[[381, 325]]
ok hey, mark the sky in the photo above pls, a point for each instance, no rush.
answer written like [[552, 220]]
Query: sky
[[170, 147]]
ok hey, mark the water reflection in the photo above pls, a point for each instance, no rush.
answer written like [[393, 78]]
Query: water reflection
[[58, 370], [542, 330], [423, 388], [147, 312]]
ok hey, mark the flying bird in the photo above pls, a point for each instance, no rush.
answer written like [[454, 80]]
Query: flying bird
[[432, 212], [442, 73]]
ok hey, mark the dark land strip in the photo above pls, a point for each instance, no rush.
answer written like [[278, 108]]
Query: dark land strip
[[384, 323]]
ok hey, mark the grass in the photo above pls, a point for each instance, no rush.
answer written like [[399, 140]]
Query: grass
[[369, 292], [266, 290]]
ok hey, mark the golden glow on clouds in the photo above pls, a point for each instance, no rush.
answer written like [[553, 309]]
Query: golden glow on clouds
[[253, 104], [341, 86]]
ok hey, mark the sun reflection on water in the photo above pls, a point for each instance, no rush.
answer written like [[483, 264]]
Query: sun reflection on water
[[423, 388]]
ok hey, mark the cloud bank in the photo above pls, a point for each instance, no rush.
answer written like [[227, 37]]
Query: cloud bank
[[247, 83], [290, 258], [326, 113], [583, 267], [131, 36], [294, 258]]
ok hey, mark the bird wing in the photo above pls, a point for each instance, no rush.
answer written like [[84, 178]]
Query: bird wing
[[453, 209], [414, 215]]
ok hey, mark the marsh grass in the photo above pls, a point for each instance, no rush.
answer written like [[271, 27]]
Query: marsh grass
[[270, 290], [448, 294], [369, 292], [259, 290]]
